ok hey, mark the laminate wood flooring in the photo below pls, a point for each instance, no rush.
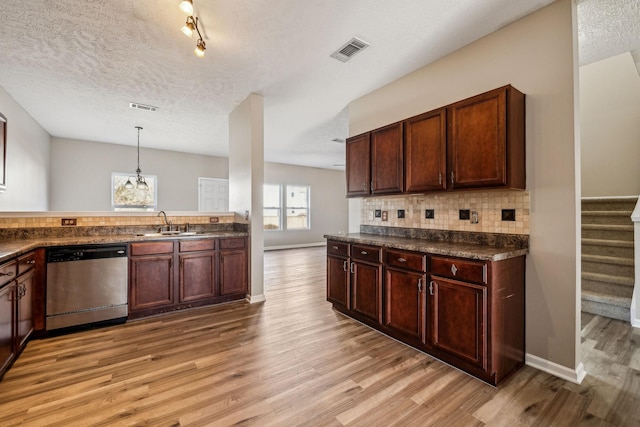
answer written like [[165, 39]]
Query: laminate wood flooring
[[293, 361]]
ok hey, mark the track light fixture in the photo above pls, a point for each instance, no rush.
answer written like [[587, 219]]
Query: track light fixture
[[141, 183], [192, 24]]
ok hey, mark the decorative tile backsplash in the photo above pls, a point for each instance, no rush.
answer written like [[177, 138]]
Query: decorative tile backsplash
[[446, 211]]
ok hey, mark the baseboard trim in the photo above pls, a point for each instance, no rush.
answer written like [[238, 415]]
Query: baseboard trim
[[635, 320], [575, 376], [253, 299], [301, 245]]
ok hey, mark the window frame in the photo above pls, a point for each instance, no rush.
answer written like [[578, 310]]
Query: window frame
[[278, 208], [307, 208]]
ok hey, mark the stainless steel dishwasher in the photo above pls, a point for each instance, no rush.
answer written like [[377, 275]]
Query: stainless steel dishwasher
[[86, 284]]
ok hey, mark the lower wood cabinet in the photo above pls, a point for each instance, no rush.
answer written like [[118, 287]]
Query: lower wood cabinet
[[468, 313], [208, 271], [7, 327]]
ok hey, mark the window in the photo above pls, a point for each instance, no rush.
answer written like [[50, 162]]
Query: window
[[297, 206], [272, 207], [123, 199]]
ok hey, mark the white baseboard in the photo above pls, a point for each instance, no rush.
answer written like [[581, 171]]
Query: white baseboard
[[252, 299], [635, 319], [301, 245], [575, 376]]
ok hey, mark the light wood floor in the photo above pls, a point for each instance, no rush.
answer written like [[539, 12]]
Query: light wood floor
[[294, 361]]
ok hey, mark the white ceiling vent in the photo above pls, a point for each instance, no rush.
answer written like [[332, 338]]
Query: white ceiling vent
[[142, 106], [349, 49]]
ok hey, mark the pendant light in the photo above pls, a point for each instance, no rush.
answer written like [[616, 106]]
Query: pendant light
[[141, 183]]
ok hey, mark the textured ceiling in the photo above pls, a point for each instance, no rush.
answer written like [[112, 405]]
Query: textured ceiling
[[75, 66]]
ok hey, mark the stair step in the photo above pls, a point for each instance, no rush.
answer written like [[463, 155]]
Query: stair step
[[613, 289], [607, 217], [610, 232], [608, 265], [606, 305], [607, 278], [609, 203], [618, 248]]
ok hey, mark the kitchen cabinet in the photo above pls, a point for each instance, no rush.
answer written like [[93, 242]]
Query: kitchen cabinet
[[404, 292], [375, 162], [487, 140], [151, 276], [366, 282], [466, 312], [338, 275], [233, 267], [425, 146], [7, 327], [24, 305], [476, 143], [198, 270]]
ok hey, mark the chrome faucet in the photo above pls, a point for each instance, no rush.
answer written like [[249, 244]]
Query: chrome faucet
[[168, 223]]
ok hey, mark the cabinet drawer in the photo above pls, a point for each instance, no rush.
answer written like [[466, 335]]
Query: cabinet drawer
[[26, 262], [366, 253], [8, 272], [337, 248], [471, 271], [235, 243], [149, 248], [197, 245], [403, 259]]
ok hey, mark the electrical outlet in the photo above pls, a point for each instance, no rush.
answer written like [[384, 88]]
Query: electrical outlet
[[69, 221], [400, 213], [385, 215], [464, 214], [508, 214], [429, 214], [214, 219]]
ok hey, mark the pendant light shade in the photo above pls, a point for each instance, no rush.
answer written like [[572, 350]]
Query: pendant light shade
[[186, 6], [141, 183]]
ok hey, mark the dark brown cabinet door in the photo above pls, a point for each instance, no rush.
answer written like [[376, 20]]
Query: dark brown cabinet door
[[365, 290], [7, 314], [458, 320], [486, 145], [425, 138], [338, 281], [151, 282], [358, 166], [404, 302], [197, 276], [233, 272], [387, 167], [24, 291]]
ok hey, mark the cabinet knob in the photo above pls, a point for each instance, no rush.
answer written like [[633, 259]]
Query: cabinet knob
[[402, 260], [364, 253], [454, 270], [31, 261], [335, 248]]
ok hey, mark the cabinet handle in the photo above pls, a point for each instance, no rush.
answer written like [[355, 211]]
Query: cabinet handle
[[335, 248], [431, 288], [344, 266], [31, 261], [7, 274], [352, 267], [402, 260], [452, 177], [440, 178], [454, 270], [373, 184], [364, 253], [22, 291], [420, 284]]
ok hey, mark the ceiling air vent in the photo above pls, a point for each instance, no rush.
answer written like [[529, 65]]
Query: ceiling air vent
[[347, 51], [142, 106]]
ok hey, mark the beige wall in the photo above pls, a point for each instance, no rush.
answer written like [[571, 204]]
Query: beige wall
[[537, 56], [329, 207], [28, 151], [610, 127], [81, 174]]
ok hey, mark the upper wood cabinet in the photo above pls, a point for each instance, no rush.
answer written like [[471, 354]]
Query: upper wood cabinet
[[475, 143], [425, 148], [486, 140], [358, 166], [375, 162]]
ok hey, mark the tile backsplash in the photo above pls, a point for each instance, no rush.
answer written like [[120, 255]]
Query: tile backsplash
[[446, 211]]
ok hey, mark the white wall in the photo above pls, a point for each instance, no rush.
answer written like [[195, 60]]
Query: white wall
[[329, 206], [81, 174], [610, 127], [537, 55], [28, 151]]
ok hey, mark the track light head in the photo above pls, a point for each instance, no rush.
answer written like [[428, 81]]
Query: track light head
[[188, 28], [186, 6], [200, 48]]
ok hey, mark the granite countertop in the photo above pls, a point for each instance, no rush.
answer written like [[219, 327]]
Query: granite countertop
[[435, 247], [15, 247]]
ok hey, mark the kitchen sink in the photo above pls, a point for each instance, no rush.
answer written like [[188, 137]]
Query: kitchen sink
[[168, 233]]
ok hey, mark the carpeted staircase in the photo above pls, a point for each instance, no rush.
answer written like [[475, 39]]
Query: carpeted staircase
[[607, 256]]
